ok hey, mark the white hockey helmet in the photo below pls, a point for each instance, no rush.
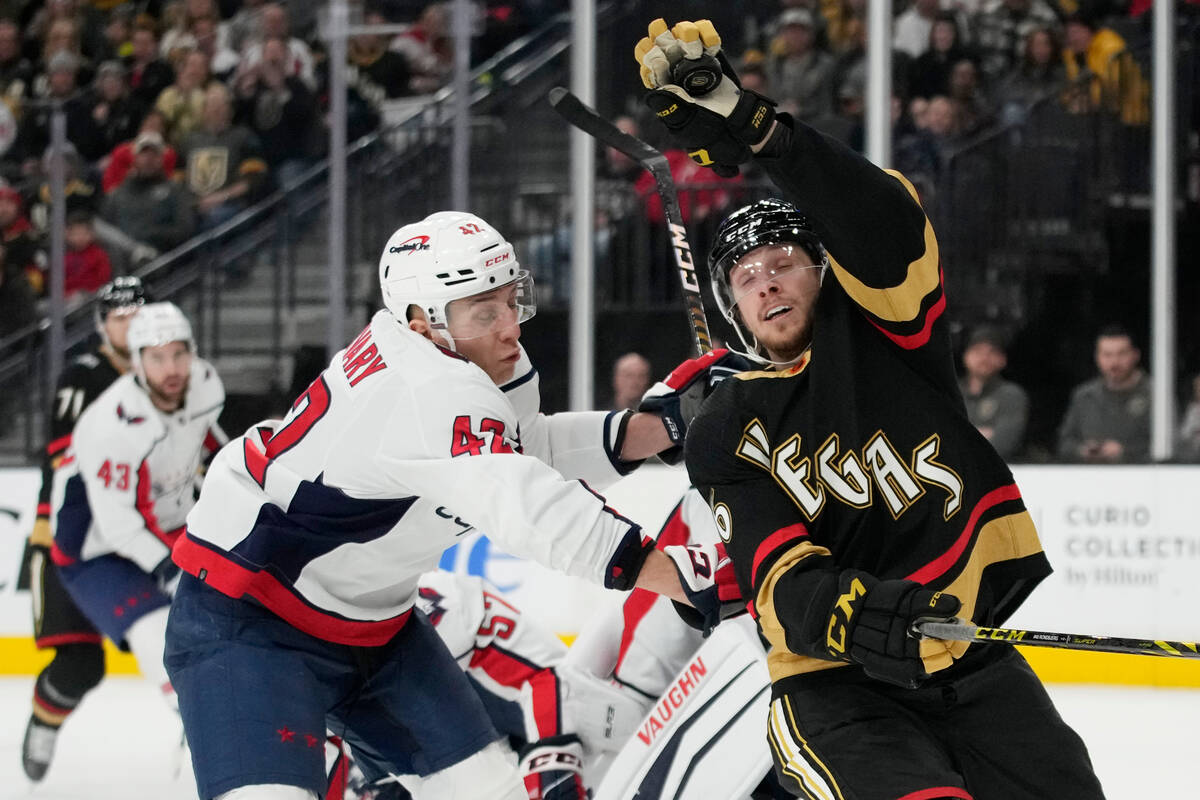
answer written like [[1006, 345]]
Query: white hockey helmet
[[445, 257], [156, 324]]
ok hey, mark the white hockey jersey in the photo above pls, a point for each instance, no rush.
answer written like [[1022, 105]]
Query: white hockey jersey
[[328, 517], [507, 655], [130, 476]]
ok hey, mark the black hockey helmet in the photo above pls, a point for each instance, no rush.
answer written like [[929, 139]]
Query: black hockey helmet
[[765, 222], [123, 292]]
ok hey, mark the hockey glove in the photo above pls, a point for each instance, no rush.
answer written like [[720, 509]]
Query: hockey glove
[[707, 576], [552, 768], [677, 398], [870, 621], [718, 127], [166, 574]]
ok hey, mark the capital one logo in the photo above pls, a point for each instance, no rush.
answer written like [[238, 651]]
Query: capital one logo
[[411, 245]]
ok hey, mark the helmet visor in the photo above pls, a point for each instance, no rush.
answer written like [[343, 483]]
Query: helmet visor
[[489, 312], [758, 268]]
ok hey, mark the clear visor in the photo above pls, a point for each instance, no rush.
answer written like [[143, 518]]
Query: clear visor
[[757, 269], [490, 312]]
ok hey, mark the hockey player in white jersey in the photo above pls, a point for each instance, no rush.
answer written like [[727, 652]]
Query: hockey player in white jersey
[[303, 552], [125, 486]]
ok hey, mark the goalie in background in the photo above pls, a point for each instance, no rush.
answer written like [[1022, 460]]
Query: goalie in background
[[852, 492]]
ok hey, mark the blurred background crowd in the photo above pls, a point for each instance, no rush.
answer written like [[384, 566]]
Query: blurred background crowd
[[1023, 123]]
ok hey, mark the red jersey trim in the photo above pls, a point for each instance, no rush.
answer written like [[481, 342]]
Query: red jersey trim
[[938, 792], [774, 542], [510, 670], [58, 445], [145, 507], [60, 558], [58, 640], [919, 339], [236, 581], [938, 567]]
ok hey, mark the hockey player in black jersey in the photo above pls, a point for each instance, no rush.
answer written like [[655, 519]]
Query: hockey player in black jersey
[[852, 492], [78, 663]]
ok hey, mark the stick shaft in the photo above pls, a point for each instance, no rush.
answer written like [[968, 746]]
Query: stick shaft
[[959, 631], [574, 111]]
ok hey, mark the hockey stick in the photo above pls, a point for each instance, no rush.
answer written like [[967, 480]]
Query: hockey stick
[[956, 630], [572, 109]]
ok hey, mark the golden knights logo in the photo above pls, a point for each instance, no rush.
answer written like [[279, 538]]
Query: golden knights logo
[[875, 472], [207, 169]]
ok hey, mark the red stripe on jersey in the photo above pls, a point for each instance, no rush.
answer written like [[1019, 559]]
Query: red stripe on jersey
[[235, 581], [507, 669], [938, 792], [66, 638], [59, 444], [60, 558], [919, 339], [145, 507], [339, 772], [210, 442], [773, 542], [936, 568], [640, 601]]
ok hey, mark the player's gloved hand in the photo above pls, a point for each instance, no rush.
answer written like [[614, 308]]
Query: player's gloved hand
[[552, 768], [166, 575], [717, 128], [677, 397], [707, 576], [870, 621]]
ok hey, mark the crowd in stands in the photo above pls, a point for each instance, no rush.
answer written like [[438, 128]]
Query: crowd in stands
[[181, 113]]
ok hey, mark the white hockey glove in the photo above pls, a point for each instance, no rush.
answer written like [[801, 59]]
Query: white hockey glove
[[552, 768], [677, 398], [601, 713], [707, 576]]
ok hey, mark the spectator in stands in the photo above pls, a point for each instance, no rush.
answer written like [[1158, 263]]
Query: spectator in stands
[[428, 49], [280, 110], [115, 112], [62, 37], [375, 72], [972, 107], [1189, 429], [1108, 419], [85, 263], [16, 73], [149, 75], [1040, 75], [18, 307], [23, 252], [910, 31], [245, 26], [630, 380], [179, 37], [275, 25], [147, 205], [941, 120], [182, 103], [117, 33], [929, 73], [83, 191], [120, 160], [842, 18], [800, 74], [222, 60], [223, 163], [1116, 83], [33, 134], [998, 408], [1001, 30]]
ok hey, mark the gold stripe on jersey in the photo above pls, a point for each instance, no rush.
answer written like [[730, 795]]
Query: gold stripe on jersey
[[786, 372], [1006, 538], [781, 661], [41, 535], [796, 758], [900, 303]]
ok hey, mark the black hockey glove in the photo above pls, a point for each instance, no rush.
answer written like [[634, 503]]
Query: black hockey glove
[[677, 397], [708, 112], [870, 621], [166, 575], [552, 768]]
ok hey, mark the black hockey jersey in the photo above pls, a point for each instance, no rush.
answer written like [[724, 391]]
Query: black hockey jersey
[[861, 456], [80, 383]]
